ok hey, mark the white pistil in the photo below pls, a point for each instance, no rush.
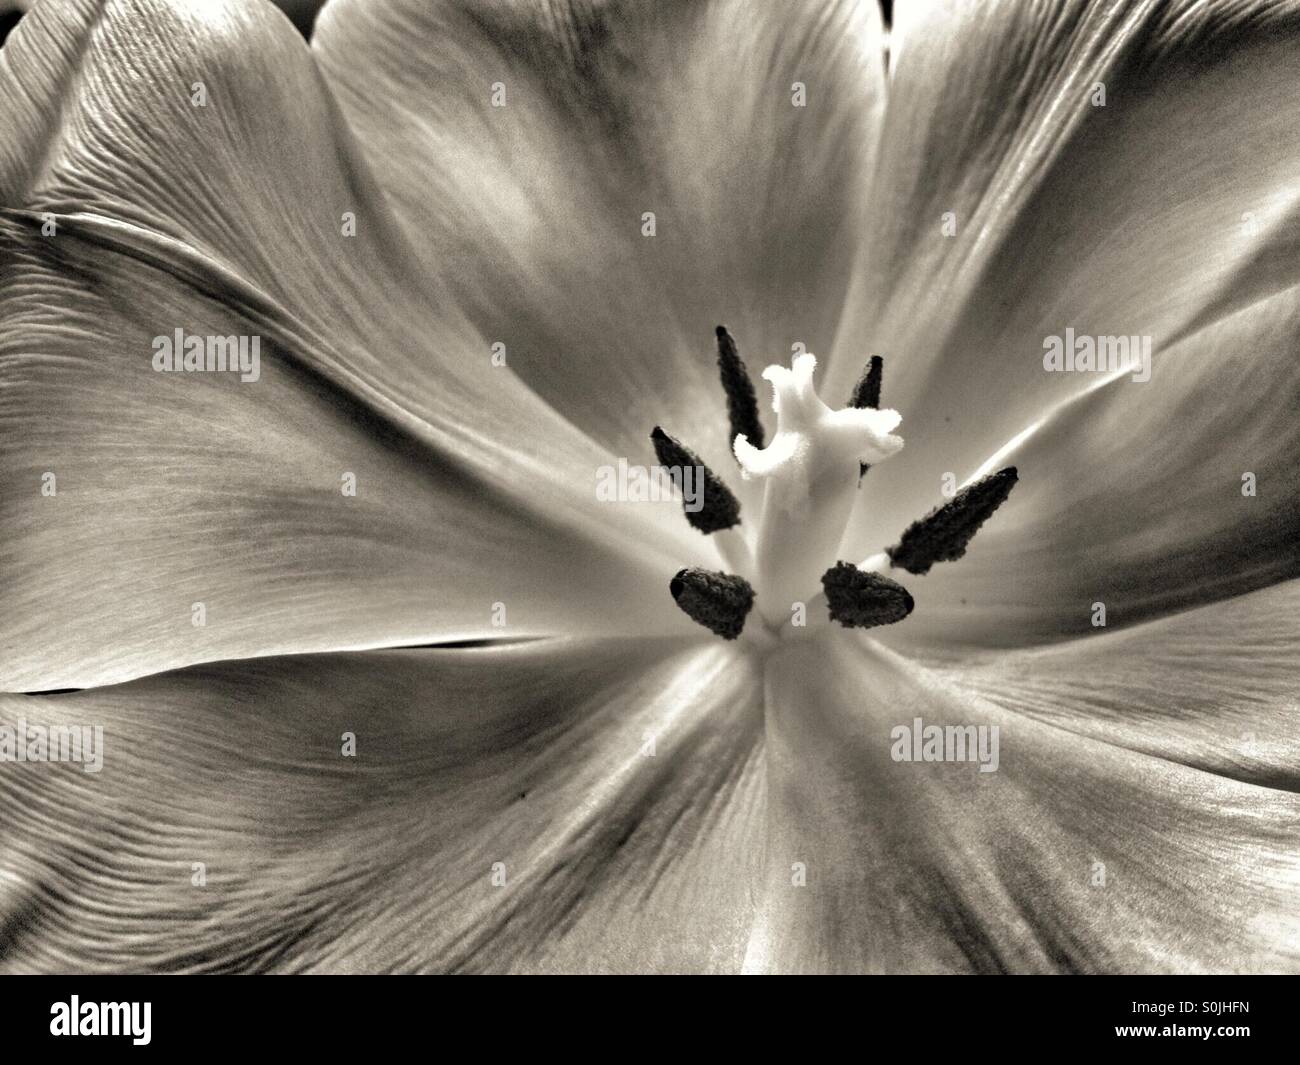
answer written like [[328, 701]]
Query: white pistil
[[735, 552], [811, 470]]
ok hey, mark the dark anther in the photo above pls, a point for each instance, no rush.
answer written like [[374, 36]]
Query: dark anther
[[866, 395], [714, 507], [859, 599], [718, 601], [942, 535], [742, 403]]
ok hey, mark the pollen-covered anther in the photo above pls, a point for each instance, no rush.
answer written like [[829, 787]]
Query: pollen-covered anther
[[944, 533], [714, 506], [866, 395], [742, 401], [859, 599], [719, 601]]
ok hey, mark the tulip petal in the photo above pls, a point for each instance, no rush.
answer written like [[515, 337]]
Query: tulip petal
[[133, 211], [1079, 853], [1170, 206], [1144, 498], [618, 785], [747, 131], [1211, 688]]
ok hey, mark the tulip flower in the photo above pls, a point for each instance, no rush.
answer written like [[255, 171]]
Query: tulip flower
[[970, 659]]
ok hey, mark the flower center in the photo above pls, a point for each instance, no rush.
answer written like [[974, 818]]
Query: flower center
[[811, 470]]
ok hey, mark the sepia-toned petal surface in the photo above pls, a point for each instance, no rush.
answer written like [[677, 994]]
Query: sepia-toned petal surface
[[1145, 497], [1173, 204], [1088, 850], [616, 783], [607, 111], [175, 489], [1214, 688]]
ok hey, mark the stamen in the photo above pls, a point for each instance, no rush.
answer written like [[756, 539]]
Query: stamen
[[866, 395], [943, 534], [719, 509], [718, 601], [862, 600], [742, 402]]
